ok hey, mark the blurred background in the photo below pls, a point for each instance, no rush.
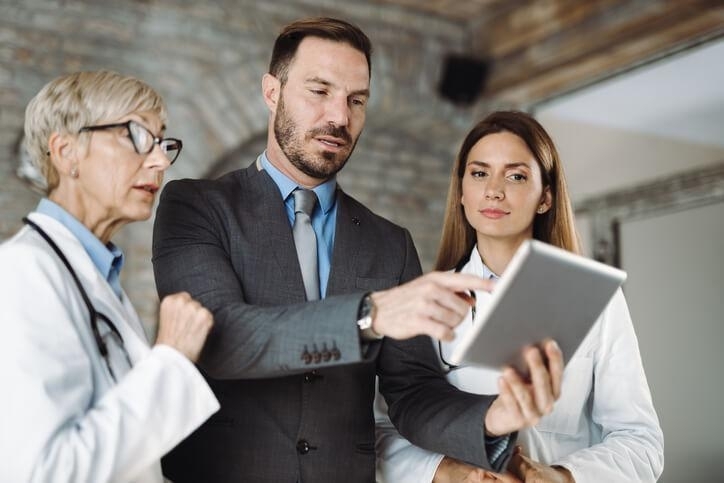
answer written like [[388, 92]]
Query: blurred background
[[632, 92]]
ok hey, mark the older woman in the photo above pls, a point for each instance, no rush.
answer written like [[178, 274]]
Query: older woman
[[84, 396], [507, 186]]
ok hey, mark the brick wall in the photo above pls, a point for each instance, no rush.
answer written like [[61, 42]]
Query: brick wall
[[207, 59]]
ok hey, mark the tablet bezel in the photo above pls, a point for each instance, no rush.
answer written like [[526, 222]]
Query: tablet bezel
[[541, 281]]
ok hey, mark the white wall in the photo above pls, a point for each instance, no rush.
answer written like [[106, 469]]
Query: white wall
[[675, 287], [600, 159], [675, 291]]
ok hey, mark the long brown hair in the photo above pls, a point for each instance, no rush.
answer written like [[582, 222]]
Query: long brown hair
[[555, 226]]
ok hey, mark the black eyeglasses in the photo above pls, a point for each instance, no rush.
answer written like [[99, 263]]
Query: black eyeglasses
[[143, 140]]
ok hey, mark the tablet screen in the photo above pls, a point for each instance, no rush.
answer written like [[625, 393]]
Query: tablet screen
[[544, 292]]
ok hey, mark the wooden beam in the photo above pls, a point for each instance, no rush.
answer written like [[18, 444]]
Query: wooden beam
[[523, 26], [534, 61]]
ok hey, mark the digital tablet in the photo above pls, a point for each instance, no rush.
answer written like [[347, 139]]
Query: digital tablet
[[544, 292]]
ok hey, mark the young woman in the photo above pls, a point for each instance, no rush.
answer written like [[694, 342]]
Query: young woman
[[507, 186]]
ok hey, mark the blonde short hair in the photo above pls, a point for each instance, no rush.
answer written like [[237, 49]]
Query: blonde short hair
[[70, 102]]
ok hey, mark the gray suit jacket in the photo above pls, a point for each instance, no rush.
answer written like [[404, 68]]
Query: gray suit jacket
[[295, 383]]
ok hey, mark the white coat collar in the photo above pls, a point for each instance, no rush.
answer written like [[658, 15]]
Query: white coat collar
[[476, 266], [100, 292]]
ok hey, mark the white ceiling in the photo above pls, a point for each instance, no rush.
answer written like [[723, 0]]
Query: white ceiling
[[679, 97]]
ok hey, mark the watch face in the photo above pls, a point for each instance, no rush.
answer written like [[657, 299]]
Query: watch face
[[365, 322]]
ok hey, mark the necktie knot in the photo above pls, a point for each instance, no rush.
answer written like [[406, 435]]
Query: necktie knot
[[304, 201]]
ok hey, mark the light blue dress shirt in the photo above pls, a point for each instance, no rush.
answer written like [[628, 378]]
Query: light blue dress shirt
[[324, 216], [108, 259]]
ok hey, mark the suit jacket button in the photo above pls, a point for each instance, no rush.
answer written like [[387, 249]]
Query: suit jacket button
[[312, 376], [302, 446]]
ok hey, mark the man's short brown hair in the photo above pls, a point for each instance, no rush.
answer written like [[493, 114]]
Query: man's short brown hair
[[287, 43]]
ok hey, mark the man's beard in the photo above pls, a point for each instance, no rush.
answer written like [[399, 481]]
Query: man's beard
[[322, 166]]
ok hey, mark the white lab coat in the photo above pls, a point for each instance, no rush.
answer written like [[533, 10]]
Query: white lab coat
[[603, 428], [61, 416]]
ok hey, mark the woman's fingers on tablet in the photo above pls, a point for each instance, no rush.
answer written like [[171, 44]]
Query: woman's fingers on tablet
[[540, 380], [524, 396], [555, 365], [522, 402]]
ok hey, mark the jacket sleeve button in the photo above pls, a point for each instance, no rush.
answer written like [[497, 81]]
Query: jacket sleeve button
[[306, 356]]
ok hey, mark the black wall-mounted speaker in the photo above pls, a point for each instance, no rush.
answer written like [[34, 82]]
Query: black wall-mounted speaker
[[463, 79]]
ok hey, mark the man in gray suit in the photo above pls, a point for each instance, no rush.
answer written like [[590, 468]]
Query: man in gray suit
[[296, 377]]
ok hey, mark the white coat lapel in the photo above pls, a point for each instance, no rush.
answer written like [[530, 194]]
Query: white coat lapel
[[121, 314]]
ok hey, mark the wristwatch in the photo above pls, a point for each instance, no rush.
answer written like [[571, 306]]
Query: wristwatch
[[365, 316]]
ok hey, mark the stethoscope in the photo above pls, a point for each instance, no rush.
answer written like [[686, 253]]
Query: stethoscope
[[93, 313], [448, 366]]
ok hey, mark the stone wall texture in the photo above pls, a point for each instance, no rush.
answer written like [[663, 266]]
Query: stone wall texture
[[207, 59]]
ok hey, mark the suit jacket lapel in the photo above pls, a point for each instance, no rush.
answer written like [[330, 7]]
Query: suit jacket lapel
[[352, 247], [272, 230]]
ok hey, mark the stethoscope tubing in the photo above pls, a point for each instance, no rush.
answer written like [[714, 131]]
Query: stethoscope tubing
[[94, 315]]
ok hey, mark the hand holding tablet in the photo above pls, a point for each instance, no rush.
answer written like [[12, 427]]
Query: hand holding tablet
[[545, 292]]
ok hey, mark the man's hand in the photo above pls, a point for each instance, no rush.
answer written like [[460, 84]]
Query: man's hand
[[531, 471], [183, 324], [520, 403], [433, 304], [451, 470]]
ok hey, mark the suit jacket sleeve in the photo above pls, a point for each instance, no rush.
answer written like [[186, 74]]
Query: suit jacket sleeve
[[425, 408], [398, 460], [191, 252]]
